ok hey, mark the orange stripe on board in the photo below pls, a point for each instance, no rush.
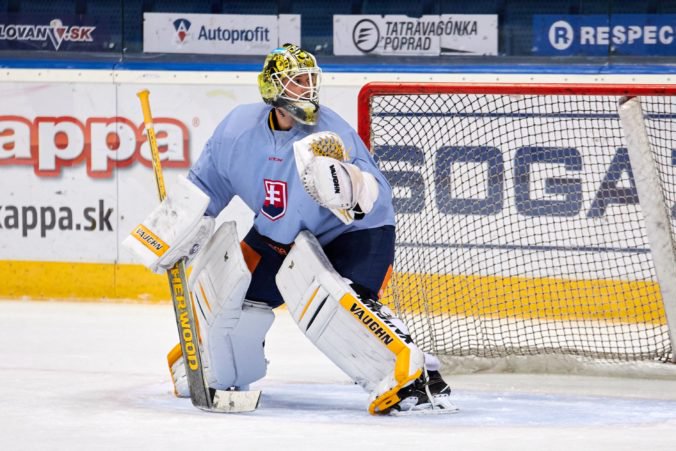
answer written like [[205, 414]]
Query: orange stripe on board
[[81, 281], [622, 301]]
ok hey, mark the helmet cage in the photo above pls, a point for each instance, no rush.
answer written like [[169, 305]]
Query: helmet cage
[[299, 84]]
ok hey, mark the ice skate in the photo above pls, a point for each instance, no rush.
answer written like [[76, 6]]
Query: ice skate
[[427, 395]]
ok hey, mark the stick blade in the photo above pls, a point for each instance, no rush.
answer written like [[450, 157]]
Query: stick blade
[[227, 401]]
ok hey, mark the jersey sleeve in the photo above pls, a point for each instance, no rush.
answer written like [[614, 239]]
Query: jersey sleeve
[[210, 174]]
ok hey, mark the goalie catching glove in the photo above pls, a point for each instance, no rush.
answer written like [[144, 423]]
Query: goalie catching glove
[[175, 229], [333, 183]]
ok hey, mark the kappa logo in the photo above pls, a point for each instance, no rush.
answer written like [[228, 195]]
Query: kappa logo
[[366, 35], [274, 205], [182, 26]]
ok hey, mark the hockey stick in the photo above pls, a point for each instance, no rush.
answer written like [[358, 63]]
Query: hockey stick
[[201, 395]]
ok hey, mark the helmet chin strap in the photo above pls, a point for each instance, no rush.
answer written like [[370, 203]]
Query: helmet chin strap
[[298, 113], [283, 119]]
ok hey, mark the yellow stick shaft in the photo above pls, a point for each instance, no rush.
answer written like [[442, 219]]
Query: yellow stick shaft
[[144, 96]]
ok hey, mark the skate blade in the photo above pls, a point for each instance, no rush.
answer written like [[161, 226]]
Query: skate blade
[[408, 413], [227, 401]]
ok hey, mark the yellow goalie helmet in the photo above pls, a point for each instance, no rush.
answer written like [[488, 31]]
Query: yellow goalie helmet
[[290, 80]]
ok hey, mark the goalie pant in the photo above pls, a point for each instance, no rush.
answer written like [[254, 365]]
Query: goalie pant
[[364, 256]]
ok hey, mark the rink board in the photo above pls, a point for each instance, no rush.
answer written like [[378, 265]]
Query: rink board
[[77, 176]]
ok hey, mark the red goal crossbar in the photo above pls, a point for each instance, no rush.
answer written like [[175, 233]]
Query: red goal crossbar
[[375, 89]]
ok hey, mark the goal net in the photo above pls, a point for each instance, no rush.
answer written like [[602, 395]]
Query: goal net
[[521, 217]]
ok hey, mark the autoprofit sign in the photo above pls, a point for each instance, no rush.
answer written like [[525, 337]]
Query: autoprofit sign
[[619, 34]]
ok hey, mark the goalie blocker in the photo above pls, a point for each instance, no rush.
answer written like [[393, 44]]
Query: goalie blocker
[[360, 336]]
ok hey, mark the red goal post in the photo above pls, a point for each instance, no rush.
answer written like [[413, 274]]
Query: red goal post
[[525, 225]]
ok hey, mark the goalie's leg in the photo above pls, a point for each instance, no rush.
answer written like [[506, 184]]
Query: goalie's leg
[[232, 329], [360, 335]]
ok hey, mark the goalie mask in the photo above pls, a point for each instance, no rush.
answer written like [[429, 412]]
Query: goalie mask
[[290, 80]]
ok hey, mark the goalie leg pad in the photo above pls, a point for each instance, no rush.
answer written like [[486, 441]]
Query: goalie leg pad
[[238, 356], [360, 336], [232, 330]]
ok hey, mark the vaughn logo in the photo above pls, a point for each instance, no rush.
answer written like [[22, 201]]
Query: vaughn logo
[[366, 35], [150, 240], [56, 33], [182, 26]]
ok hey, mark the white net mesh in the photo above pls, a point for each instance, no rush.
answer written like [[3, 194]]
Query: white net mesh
[[519, 229]]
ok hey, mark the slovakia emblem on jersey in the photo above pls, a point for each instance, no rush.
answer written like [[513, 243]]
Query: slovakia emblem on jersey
[[274, 206]]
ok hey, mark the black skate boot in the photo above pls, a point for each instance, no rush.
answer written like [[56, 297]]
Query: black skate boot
[[427, 395]]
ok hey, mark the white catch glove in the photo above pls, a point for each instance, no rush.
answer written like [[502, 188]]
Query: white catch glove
[[333, 183], [175, 229]]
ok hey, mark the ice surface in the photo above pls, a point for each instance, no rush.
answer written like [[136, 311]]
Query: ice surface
[[90, 376]]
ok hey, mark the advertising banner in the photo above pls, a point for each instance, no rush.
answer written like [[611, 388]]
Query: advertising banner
[[76, 165], [599, 35], [62, 33], [457, 34], [218, 34]]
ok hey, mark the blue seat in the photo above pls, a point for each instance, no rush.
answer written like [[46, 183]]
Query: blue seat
[[666, 6], [317, 23], [382, 7], [132, 24], [633, 7], [179, 6], [49, 7], [250, 7], [471, 7], [594, 7], [516, 22], [108, 12]]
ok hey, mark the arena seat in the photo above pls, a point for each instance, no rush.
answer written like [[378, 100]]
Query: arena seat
[[408, 8], [633, 7], [516, 24], [50, 7], [251, 7], [471, 7], [192, 6], [317, 22]]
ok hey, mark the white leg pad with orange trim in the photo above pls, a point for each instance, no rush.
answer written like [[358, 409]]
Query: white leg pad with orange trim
[[232, 330], [361, 337]]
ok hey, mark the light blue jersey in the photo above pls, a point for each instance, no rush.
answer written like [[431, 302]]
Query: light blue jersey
[[244, 157]]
